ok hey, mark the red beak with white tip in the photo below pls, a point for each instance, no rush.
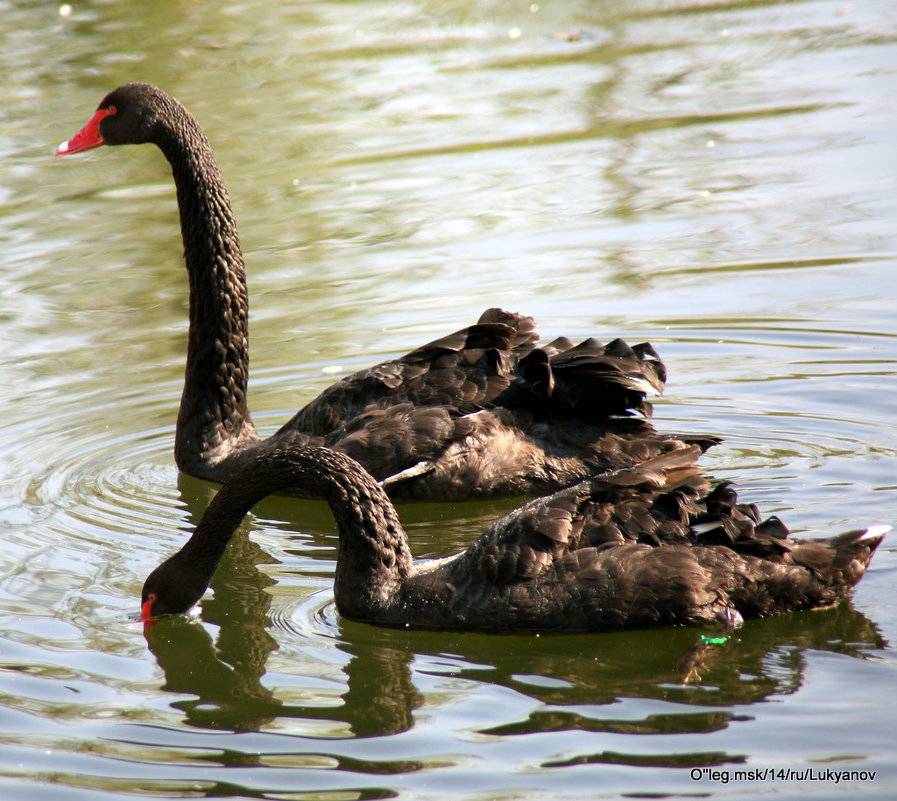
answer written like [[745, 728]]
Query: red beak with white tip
[[88, 137]]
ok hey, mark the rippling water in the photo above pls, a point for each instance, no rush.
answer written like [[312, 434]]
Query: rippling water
[[718, 178]]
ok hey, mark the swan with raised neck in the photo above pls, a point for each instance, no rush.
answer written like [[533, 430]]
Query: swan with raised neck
[[480, 412]]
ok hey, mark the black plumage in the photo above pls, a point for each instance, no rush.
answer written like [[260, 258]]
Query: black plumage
[[483, 411], [641, 546]]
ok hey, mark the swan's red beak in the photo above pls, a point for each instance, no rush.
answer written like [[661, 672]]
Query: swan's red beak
[[146, 611], [88, 137]]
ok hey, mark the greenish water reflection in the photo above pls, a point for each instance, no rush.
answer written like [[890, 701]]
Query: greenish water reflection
[[716, 178]]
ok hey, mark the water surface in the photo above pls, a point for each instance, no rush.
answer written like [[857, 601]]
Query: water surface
[[717, 178]]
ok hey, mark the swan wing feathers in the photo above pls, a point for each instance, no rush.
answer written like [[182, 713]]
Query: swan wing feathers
[[621, 506], [588, 381], [649, 546], [459, 371], [495, 364]]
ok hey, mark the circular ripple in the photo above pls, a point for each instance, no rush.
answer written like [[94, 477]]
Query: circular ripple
[[310, 616]]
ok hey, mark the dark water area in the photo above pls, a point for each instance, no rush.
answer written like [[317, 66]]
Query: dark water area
[[716, 178]]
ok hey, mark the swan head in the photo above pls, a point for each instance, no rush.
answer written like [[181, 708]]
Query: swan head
[[172, 588], [129, 115]]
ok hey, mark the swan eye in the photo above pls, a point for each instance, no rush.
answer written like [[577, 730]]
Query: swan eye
[[111, 110], [146, 610]]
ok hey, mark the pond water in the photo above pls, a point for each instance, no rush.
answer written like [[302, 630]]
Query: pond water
[[715, 177]]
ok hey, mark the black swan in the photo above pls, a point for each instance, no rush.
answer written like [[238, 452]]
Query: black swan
[[641, 546], [480, 412]]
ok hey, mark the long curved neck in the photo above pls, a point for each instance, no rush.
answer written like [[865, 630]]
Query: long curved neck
[[374, 558], [214, 415]]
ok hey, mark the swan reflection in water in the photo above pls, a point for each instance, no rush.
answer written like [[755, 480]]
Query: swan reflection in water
[[373, 688]]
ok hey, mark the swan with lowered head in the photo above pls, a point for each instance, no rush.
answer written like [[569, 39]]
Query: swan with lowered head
[[641, 546]]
